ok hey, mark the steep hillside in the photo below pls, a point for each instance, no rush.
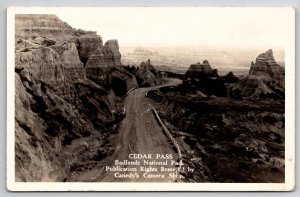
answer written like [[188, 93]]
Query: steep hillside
[[69, 89]]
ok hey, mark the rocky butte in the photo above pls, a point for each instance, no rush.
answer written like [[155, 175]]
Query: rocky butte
[[67, 97], [202, 78], [201, 69], [264, 81]]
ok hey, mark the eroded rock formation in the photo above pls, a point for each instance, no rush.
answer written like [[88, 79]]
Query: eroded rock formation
[[265, 80], [265, 65], [104, 66], [199, 70], [242, 129], [31, 25], [146, 74], [200, 77], [63, 116], [87, 45]]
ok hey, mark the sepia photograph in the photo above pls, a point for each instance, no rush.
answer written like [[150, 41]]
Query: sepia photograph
[[151, 98]]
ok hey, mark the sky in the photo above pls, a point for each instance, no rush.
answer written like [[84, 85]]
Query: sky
[[185, 26]]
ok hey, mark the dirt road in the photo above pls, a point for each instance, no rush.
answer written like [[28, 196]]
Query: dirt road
[[140, 133]]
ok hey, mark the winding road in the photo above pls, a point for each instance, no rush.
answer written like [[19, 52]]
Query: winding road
[[140, 133]]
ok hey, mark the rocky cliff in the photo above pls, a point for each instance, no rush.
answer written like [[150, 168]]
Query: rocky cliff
[[28, 26], [40, 37], [104, 67], [63, 115]]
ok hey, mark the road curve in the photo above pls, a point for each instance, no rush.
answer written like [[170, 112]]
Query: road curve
[[140, 133]]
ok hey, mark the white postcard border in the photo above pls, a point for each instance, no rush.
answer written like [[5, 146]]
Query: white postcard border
[[130, 186]]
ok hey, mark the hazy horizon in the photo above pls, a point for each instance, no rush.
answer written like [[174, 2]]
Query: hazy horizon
[[179, 59], [230, 38]]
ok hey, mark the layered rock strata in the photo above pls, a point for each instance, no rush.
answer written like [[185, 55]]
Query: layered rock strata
[[264, 81], [265, 65], [64, 116]]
